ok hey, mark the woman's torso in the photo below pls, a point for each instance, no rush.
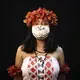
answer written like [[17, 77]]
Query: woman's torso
[[31, 67]]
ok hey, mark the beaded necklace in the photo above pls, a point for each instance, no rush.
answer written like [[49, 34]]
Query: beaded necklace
[[40, 65], [40, 59]]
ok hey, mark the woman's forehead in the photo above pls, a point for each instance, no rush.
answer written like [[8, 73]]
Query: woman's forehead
[[41, 22], [35, 26]]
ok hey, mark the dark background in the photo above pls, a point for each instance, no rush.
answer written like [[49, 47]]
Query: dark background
[[67, 32]]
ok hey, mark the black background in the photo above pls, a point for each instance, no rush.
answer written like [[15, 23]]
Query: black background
[[68, 31]]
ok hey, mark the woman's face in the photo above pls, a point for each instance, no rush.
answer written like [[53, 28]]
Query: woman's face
[[40, 30]]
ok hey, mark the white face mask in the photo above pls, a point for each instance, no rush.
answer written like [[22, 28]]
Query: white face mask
[[40, 31]]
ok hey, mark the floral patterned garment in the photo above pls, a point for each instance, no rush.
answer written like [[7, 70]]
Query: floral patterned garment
[[33, 69]]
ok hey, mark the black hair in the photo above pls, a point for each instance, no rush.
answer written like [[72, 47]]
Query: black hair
[[29, 44]]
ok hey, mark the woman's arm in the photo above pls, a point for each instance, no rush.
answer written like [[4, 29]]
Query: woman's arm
[[61, 77], [18, 78], [18, 62], [61, 62]]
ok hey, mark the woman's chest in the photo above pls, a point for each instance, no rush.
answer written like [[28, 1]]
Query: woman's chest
[[55, 54], [35, 68]]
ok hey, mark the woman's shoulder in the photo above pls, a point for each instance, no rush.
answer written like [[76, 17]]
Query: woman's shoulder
[[60, 52], [20, 47], [22, 53], [19, 50], [59, 49]]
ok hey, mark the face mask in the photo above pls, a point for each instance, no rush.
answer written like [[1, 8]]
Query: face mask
[[40, 31]]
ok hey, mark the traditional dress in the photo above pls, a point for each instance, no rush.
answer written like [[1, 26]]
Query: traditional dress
[[33, 69]]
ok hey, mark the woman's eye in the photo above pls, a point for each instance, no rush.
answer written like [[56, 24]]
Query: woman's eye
[[43, 28]]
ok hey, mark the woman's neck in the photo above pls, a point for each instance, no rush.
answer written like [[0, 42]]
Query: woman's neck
[[40, 45]]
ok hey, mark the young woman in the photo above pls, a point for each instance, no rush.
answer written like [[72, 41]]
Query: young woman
[[39, 57]]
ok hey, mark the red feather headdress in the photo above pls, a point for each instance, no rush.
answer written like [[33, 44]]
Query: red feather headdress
[[41, 13]]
